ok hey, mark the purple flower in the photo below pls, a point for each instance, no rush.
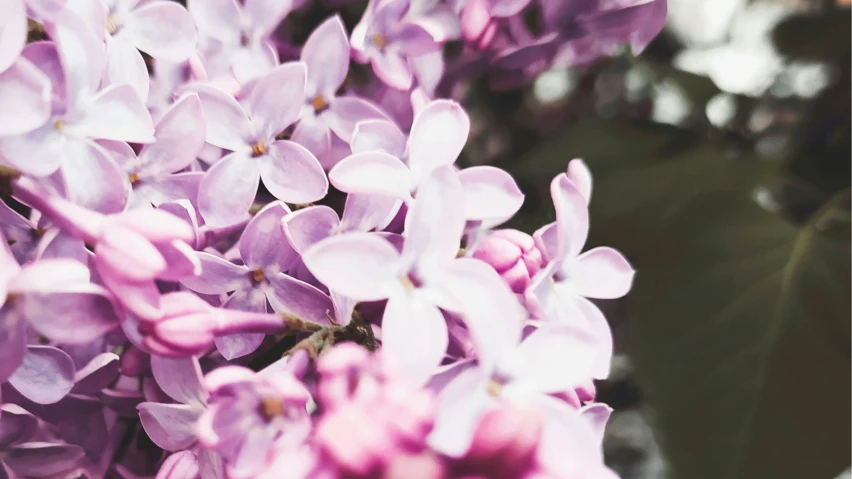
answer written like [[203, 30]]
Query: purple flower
[[250, 413], [154, 175], [560, 290], [234, 35], [326, 54], [172, 426], [289, 171], [24, 454], [162, 29], [366, 267], [260, 281], [81, 114], [437, 137], [387, 38]]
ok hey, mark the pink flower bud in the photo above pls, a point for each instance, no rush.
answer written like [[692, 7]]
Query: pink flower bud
[[505, 442], [513, 254], [478, 27]]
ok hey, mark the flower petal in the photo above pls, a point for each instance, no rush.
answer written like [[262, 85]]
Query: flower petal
[[601, 273], [235, 174], [98, 374], [314, 134], [434, 224], [461, 405], [572, 217], [170, 426], [125, 65], [78, 316], [227, 125], [262, 244], [180, 135], [292, 173], [16, 425], [42, 459], [115, 113], [219, 18], [291, 296], [218, 276], [580, 175], [180, 379], [276, 99], [26, 93], [164, 30], [393, 69], [310, 225], [13, 341], [357, 265], [438, 135], [366, 212], [372, 172], [346, 111], [13, 31], [489, 193], [38, 152], [45, 376], [378, 134], [326, 54], [557, 358], [92, 178], [265, 15], [82, 54], [414, 335]]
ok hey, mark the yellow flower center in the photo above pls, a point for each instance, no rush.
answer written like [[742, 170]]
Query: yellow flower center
[[258, 149], [379, 41], [319, 103]]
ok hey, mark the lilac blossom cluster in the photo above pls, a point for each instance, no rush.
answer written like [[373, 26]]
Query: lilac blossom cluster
[[162, 314]]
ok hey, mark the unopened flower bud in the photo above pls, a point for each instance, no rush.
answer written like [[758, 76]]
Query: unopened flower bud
[[511, 253]]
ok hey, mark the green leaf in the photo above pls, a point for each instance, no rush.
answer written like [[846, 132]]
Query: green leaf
[[741, 332], [739, 329]]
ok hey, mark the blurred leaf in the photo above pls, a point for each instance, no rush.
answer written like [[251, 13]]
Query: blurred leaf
[[740, 332], [816, 36]]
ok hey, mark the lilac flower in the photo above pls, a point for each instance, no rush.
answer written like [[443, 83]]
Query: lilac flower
[[289, 171], [437, 137], [172, 426], [82, 114], [154, 174], [326, 54], [387, 39], [560, 290], [250, 413], [234, 36], [162, 29], [260, 281], [367, 267], [23, 454]]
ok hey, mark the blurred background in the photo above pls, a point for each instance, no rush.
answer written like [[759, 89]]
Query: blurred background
[[721, 158]]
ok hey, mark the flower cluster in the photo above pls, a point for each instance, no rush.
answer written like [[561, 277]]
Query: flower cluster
[[179, 296]]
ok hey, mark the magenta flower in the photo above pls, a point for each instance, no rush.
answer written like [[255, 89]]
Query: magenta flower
[[326, 54], [513, 254], [249, 414], [289, 171], [132, 249], [24, 454], [155, 175], [437, 137], [260, 281], [560, 290], [366, 267]]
